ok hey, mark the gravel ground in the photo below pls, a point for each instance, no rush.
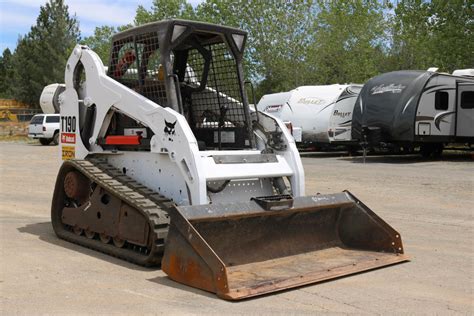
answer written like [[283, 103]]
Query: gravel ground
[[429, 202]]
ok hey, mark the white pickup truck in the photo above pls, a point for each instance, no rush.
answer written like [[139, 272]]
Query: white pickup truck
[[45, 127]]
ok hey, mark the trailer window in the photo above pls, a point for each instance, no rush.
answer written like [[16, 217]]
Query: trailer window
[[467, 99], [441, 100]]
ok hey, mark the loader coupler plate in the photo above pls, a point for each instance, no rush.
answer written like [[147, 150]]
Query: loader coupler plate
[[239, 250]]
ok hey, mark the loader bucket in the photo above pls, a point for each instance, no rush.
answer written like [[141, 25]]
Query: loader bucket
[[239, 250]]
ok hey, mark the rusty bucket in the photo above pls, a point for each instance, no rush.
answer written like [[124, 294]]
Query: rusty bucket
[[239, 250]]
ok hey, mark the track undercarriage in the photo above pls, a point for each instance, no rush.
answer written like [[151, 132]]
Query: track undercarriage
[[97, 206]]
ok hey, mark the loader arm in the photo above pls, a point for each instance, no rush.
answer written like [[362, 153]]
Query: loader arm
[[109, 95]]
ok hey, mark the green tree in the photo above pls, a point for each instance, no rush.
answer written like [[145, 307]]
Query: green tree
[[6, 73], [452, 28], [23, 63], [100, 41], [350, 41], [278, 41], [164, 9], [438, 33], [41, 55], [411, 35]]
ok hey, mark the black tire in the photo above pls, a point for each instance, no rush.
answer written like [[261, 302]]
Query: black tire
[[353, 150], [56, 139], [438, 150], [431, 150], [406, 150], [45, 141]]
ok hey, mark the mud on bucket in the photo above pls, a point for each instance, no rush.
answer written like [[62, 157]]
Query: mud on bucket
[[239, 250]]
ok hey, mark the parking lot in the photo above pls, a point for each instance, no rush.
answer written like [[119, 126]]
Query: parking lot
[[430, 202]]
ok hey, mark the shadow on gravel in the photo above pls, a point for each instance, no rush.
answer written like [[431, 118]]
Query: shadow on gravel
[[45, 233], [454, 156], [324, 154], [165, 281], [411, 159]]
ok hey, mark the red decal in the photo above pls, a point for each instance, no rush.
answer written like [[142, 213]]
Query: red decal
[[68, 138], [123, 140]]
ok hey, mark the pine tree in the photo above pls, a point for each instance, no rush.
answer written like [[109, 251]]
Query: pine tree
[[6, 73], [40, 56]]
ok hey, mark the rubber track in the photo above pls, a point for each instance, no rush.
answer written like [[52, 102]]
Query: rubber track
[[151, 204]]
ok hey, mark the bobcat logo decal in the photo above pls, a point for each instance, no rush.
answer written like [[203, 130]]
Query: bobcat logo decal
[[169, 129]]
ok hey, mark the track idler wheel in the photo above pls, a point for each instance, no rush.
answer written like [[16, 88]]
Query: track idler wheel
[[77, 186]]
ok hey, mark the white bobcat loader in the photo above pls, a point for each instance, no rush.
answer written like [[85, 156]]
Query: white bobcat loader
[[165, 164]]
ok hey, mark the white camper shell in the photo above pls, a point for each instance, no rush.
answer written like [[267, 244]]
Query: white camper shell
[[315, 114]]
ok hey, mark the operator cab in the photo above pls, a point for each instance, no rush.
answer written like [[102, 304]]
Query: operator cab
[[194, 68]]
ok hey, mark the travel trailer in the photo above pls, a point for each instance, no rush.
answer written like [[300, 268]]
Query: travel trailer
[[315, 115], [410, 109]]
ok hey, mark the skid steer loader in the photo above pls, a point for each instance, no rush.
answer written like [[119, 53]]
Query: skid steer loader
[[164, 163]]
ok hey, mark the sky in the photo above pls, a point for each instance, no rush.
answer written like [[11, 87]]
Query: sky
[[17, 16]]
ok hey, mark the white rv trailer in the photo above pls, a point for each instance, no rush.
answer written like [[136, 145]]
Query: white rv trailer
[[315, 114], [416, 108]]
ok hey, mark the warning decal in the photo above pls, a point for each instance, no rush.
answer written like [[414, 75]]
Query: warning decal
[[68, 152], [68, 138]]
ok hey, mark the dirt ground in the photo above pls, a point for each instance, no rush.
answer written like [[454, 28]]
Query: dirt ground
[[429, 202]]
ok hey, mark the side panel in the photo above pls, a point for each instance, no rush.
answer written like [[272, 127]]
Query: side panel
[[465, 108], [312, 106], [436, 113], [308, 108], [340, 122], [154, 170]]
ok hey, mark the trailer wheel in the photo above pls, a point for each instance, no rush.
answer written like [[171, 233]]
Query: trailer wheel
[[353, 150], [438, 150], [406, 150], [431, 150]]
